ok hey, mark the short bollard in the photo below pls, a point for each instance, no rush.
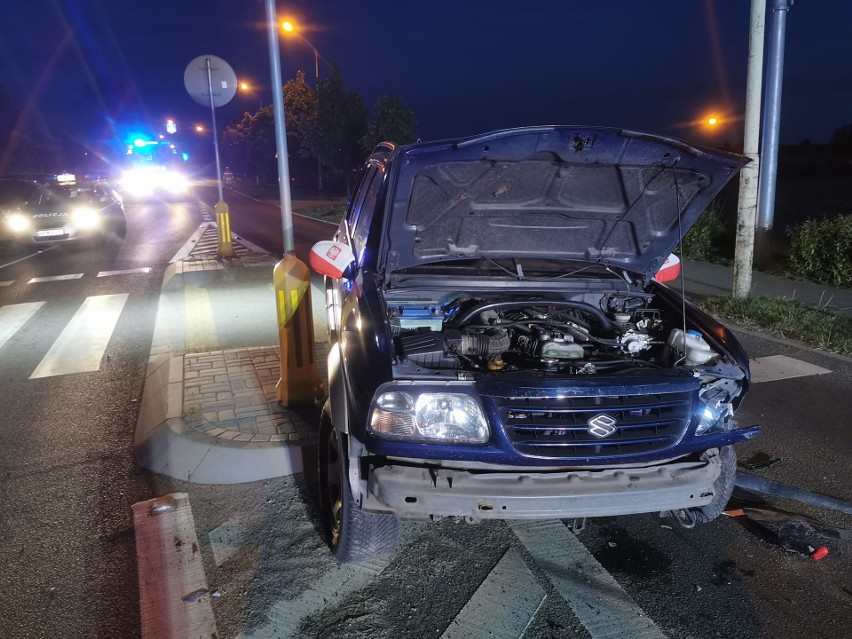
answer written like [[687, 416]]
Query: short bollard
[[299, 384], [223, 221]]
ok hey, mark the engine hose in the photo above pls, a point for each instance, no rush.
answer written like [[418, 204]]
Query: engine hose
[[472, 312], [487, 344]]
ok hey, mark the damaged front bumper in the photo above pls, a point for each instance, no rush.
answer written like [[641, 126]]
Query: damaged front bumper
[[418, 492]]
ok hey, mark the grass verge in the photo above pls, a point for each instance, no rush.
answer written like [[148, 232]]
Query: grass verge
[[786, 318]]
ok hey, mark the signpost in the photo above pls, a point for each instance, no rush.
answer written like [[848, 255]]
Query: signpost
[[211, 81]]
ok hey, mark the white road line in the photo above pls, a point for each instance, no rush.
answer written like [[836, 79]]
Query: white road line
[[503, 605], [7, 283], [56, 278], [249, 245], [13, 317], [27, 257], [129, 271], [81, 345], [775, 367], [286, 616], [606, 611], [186, 249], [174, 599]]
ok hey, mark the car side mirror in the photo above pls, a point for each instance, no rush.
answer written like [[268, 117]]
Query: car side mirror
[[331, 259], [670, 270]]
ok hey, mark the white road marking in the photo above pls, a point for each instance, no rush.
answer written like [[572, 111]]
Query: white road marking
[[286, 616], [27, 257], [56, 278], [174, 599], [251, 246], [81, 345], [7, 283], [775, 367], [128, 271], [503, 605], [606, 611], [186, 249], [13, 317]]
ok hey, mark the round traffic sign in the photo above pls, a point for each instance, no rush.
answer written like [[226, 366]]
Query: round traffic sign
[[222, 80]]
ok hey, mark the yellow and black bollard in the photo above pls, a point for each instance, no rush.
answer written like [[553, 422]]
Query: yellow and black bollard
[[299, 384], [223, 221]]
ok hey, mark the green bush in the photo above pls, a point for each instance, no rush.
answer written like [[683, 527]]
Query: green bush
[[704, 241], [821, 250]]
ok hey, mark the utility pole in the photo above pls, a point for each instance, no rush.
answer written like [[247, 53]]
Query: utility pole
[[771, 126], [747, 201]]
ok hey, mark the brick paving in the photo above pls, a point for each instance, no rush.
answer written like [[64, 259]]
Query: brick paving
[[230, 394]]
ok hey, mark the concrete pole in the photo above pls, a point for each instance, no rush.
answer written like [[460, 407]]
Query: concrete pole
[[771, 126], [280, 128], [747, 202]]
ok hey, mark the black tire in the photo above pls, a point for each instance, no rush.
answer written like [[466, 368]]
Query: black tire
[[353, 535], [722, 487]]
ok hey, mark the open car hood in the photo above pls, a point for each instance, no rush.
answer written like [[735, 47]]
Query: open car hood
[[593, 194]]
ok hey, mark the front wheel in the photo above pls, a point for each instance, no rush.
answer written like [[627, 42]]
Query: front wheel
[[353, 534], [722, 487]]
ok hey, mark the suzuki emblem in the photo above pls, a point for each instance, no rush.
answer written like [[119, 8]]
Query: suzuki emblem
[[602, 425]]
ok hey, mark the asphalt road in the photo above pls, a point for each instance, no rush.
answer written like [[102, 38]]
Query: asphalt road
[[67, 476], [67, 480]]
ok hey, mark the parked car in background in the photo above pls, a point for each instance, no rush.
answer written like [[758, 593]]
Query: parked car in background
[[501, 346], [68, 210]]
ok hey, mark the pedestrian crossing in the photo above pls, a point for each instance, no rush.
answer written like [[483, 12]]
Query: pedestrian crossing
[[76, 276], [80, 346]]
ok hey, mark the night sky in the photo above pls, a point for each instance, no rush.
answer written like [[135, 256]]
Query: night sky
[[465, 66]]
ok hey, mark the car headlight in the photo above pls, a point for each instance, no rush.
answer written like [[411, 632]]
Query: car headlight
[[85, 218], [176, 183], [18, 223], [426, 416], [712, 417]]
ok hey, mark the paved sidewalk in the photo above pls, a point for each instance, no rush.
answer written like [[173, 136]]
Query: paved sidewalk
[[209, 412]]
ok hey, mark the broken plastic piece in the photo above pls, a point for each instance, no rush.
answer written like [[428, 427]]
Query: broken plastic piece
[[819, 553]]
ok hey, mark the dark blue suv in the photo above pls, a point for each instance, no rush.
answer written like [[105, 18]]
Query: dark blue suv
[[503, 344]]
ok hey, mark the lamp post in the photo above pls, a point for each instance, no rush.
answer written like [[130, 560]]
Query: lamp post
[[299, 384], [246, 88], [289, 27]]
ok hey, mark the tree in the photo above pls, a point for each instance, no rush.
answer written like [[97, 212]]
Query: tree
[[341, 123], [841, 139], [300, 107], [249, 145], [392, 121]]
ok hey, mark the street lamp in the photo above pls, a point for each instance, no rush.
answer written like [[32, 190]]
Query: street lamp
[[289, 27], [199, 128], [246, 88]]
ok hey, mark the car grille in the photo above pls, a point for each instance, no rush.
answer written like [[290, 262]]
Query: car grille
[[559, 427]]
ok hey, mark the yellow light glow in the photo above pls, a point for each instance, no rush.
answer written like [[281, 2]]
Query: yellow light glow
[[244, 86], [712, 120], [199, 129], [287, 26]]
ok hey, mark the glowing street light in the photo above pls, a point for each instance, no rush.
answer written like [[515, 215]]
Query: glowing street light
[[245, 87], [199, 128], [289, 27], [712, 120]]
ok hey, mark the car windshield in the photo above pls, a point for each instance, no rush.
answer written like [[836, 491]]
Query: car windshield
[[67, 195]]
